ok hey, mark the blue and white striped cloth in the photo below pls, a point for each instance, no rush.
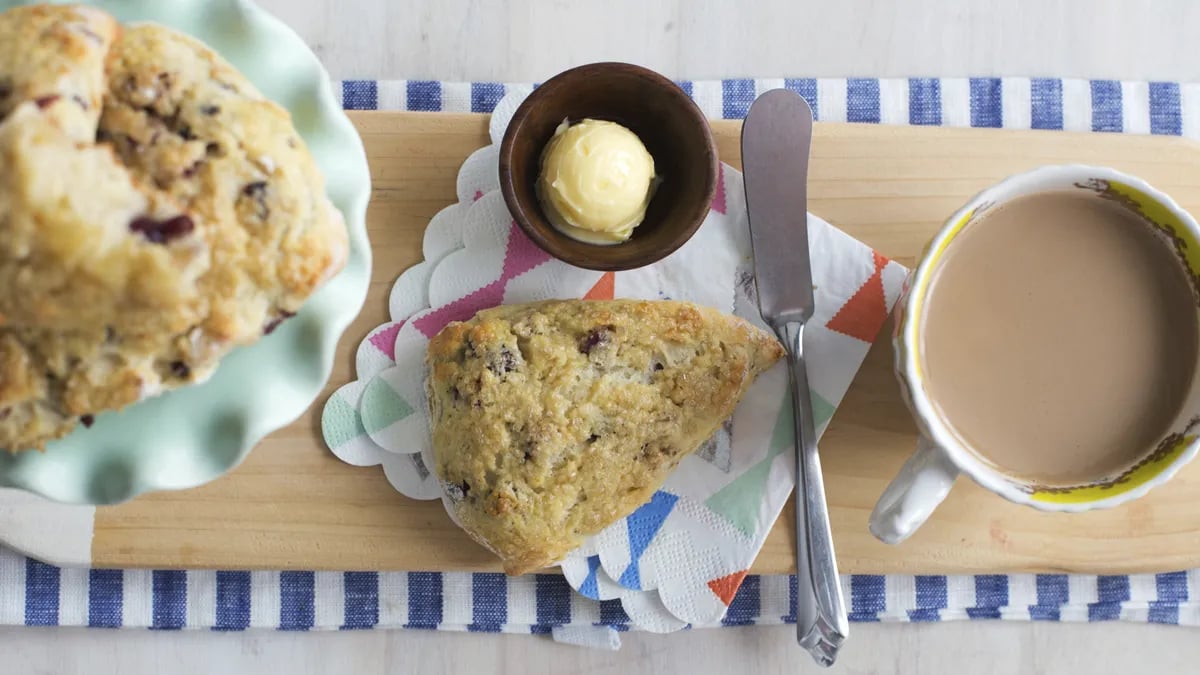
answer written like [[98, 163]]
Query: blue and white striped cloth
[[33, 593], [36, 594], [1011, 102]]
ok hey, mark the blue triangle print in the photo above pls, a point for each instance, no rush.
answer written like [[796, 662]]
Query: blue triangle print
[[642, 525], [631, 577], [589, 588]]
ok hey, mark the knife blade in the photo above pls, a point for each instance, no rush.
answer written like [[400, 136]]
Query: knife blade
[[776, 137], [775, 141]]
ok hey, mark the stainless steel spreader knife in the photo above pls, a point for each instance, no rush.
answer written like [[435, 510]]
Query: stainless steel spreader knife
[[775, 145]]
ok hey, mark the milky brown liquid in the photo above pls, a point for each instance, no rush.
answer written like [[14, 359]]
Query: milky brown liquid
[[1059, 337]]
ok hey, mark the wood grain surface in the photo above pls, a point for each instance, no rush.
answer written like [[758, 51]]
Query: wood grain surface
[[293, 505]]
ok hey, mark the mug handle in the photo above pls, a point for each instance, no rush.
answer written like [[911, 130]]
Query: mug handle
[[913, 494]]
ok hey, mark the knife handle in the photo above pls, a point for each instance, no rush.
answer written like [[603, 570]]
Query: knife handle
[[821, 622]]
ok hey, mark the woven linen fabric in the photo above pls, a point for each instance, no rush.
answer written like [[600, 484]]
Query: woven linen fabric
[[36, 594], [1009, 102]]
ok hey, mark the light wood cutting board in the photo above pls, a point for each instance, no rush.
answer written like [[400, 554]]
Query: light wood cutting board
[[293, 505]]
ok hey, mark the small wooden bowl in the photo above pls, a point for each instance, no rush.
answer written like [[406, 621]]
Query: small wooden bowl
[[666, 120]]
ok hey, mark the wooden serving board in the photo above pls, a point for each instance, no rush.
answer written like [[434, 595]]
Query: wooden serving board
[[293, 505]]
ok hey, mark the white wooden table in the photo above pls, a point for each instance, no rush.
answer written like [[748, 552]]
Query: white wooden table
[[528, 40]]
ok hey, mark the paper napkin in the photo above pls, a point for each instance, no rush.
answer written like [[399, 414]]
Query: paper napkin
[[680, 558]]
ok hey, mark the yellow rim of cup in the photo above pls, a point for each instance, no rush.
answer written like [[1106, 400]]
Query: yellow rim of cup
[[1168, 220]]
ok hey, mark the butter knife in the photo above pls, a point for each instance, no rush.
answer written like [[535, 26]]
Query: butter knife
[[776, 137]]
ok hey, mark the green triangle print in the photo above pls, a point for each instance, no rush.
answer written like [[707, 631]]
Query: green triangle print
[[382, 407], [739, 501], [822, 410], [340, 422]]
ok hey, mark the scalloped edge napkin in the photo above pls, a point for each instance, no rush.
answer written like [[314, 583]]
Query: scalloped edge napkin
[[680, 558]]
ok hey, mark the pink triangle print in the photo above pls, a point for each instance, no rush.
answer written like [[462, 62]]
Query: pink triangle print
[[718, 202], [522, 254], [385, 340], [462, 309]]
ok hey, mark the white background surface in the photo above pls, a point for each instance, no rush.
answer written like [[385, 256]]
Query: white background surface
[[527, 40]]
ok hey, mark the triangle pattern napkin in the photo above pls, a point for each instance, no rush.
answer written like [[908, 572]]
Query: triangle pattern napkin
[[680, 558]]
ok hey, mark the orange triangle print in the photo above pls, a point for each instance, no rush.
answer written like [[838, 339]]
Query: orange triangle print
[[865, 312], [727, 586], [603, 290]]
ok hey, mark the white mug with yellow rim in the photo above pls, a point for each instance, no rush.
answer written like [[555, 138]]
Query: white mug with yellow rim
[[940, 458]]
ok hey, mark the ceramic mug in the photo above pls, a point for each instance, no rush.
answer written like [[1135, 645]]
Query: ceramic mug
[[928, 475]]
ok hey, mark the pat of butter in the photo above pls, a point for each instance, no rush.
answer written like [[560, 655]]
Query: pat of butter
[[596, 181]]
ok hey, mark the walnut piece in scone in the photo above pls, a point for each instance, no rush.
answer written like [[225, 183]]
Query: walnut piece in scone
[[552, 420]]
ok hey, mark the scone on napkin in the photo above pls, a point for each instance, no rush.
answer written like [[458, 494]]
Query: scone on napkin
[[552, 420]]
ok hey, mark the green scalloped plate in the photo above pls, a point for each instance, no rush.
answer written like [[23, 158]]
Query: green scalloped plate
[[188, 437]]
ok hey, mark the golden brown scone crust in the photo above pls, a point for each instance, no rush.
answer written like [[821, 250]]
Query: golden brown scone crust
[[156, 211], [553, 420], [56, 52]]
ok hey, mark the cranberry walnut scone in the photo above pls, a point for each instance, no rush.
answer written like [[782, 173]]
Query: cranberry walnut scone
[[189, 221], [553, 420]]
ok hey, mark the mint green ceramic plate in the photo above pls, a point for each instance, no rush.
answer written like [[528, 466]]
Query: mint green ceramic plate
[[193, 435]]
